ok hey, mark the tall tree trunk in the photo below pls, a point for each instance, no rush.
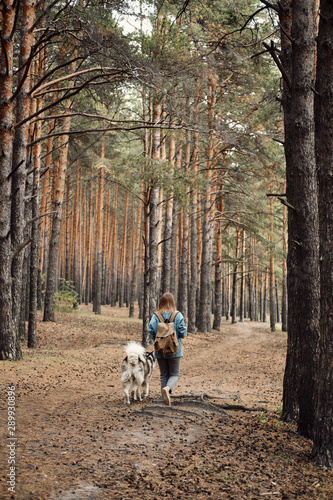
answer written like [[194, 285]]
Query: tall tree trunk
[[88, 243], [272, 303], [145, 301], [46, 204], [9, 342], [277, 301], [227, 312], [173, 260], [234, 280], [99, 240], [145, 239], [58, 188], [218, 263], [264, 312], [303, 241], [153, 242], [218, 277], [35, 233], [166, 266], [20, 158], [323, 435], [75, 232], [67, 228], [183, 268], [123, 255], [204, 320], [192, 295], [242, 284], [154, 219], [115, 254], [136, 258], [284, 274]]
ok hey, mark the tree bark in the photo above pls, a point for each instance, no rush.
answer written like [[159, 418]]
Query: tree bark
[[272, 303], [166, 266], [8, 338], [19, 166], [98, 241], [242, 283], [218, 264], [192, 295], [284, 311], [303, 241], [323, 435], [46, 205], [59, 187], [204, 317], [154, 219], [35, 232], [234, 281]]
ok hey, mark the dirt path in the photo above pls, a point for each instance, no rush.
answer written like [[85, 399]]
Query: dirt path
[[75, 439]]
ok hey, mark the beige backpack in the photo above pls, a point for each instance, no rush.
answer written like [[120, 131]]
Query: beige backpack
[[166, 342]]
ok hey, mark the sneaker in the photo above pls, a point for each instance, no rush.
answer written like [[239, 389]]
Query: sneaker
[[166, 396]]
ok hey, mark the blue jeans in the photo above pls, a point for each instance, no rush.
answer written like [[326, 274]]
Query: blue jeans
[[169, 371]]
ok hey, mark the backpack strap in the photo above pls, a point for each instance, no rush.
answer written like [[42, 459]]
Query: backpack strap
[[170, 320], [159, 316], [173, 316]]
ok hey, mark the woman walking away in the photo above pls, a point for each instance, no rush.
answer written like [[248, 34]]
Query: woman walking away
[[169, 365]]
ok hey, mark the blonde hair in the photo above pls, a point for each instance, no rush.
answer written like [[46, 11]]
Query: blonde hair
[[167, 303]]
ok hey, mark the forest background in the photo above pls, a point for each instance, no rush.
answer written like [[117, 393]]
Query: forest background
[[151, 160]]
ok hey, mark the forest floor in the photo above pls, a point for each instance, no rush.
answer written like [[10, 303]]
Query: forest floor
[[221, 439]]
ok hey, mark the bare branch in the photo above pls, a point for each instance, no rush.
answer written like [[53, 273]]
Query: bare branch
[[93, 116], [47, 75], [74, 75], [271, 5], [110, 129], [63, 98], [272, 50]]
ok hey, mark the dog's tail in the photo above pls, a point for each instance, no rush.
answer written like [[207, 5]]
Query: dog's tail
[[135, 348]]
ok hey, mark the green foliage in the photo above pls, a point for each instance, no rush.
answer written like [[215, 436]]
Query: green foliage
[[65, 298], [169, 64]]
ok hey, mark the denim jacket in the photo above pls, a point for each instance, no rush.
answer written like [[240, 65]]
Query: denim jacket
[[180, 327]]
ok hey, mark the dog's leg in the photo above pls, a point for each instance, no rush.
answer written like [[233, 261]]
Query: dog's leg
[[137, 394], [145, 387], [126, 397]]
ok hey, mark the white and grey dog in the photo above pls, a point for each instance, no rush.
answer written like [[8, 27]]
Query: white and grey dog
[[136, 371]]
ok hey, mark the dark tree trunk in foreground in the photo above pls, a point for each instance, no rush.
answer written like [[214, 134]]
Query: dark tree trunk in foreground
[[303, 242], [323, 428], [8, 338], [19, 167]]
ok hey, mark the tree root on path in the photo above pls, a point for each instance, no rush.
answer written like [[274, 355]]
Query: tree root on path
[[197, 399], [198, 402]]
